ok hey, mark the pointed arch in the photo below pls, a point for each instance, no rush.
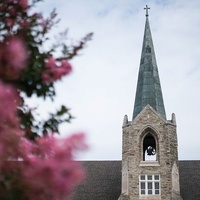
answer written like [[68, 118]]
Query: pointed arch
[[149, 140]]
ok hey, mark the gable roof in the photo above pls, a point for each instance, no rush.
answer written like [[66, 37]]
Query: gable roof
[[104, 180]]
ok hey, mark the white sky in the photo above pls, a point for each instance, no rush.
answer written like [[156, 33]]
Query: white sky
[[101, 89]]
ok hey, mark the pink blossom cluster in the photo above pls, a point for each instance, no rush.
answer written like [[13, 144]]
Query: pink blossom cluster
[[15, 16], [10, 132], [13, 8], [13, 57], [48, 170], [10, 100], [22, 3], [55, 70], [48, 167], [54, 175]]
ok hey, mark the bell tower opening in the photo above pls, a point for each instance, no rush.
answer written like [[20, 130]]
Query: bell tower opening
[[149, 147]]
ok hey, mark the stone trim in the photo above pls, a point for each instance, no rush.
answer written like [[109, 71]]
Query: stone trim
[[149, 163], [152, 109], [152, 197]]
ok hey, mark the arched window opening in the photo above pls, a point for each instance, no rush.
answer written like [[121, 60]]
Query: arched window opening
[[149, 148], [148, 49]]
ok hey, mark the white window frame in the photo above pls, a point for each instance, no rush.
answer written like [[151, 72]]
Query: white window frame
[[149, 184]]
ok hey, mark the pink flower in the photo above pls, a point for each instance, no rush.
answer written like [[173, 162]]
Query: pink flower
[[50, 63], [66, 66], [13, 57], [75, 141], [9, 122], [12, 11], [54, 72], [45, 146], [25, 148], [10, 100], [18, 53], [24, 24], [9, 22], [23, 3], [55, 176]]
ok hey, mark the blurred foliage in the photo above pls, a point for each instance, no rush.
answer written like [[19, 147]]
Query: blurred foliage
[[33, 28]]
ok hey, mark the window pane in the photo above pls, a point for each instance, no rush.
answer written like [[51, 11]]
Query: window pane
[[150, 185], [149, 177], [156, 185], [142, 191], [149, 191], [157, 192], [142, 185], [142, 177]]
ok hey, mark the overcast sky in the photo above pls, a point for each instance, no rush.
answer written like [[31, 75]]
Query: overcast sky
[[101, 89]]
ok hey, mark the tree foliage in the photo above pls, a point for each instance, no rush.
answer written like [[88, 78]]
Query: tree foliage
[[26, 69]]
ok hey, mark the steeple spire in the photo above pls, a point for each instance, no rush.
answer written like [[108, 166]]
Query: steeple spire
[[148, 85]]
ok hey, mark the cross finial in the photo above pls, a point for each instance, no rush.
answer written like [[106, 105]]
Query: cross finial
[[147, 8]]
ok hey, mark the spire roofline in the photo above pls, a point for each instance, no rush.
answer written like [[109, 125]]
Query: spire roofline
[[148, 87]]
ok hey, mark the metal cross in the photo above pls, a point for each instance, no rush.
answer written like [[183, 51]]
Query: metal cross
[[147, 8]]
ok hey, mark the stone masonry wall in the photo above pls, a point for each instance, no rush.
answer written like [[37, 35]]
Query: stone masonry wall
[[165, 134]]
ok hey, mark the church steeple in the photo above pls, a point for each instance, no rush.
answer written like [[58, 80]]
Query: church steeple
[[149, 142], [148, 85]]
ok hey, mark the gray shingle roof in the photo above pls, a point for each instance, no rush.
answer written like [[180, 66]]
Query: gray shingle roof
[[104, 180], [190, 179]]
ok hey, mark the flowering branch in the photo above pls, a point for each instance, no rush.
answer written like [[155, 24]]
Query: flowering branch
[[48, 168]]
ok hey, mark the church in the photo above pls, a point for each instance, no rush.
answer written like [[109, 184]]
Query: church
[[150, 169]]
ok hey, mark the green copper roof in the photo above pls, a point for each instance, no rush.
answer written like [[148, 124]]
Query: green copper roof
[[148, 85]]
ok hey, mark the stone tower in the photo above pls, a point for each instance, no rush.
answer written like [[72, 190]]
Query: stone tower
[[149, 153]]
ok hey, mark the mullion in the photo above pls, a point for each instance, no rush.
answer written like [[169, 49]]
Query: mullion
[[149, 187]]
